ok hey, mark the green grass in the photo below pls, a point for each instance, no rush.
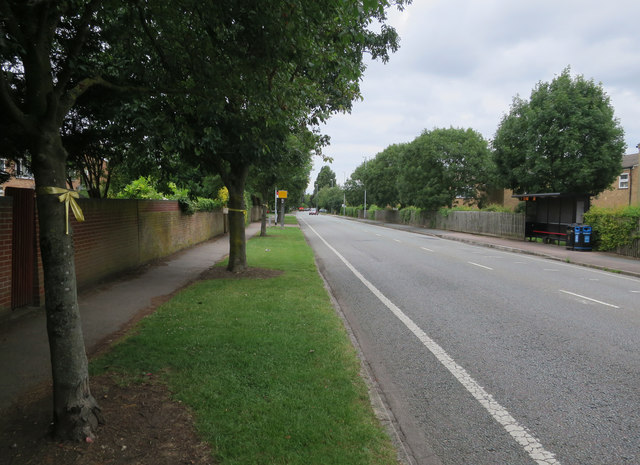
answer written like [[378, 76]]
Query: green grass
[[265, 364], [290, 219]]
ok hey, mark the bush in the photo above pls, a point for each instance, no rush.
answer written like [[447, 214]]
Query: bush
[[613, 228], [371, 211], [141, 188], [352, 211], [407, 213], [496, 208]]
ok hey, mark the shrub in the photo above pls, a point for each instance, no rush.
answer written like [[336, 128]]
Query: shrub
[[496, 208], [352, 211], [613, 228], [141, 188], [371, 211], [407, 213]]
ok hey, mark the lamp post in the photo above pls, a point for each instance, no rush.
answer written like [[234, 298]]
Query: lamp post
[[365, 187]]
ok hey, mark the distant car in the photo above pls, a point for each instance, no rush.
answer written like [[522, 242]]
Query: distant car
[[323, 210], [313, 211]]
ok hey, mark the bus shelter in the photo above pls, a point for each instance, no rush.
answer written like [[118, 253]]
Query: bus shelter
[[549, 215]]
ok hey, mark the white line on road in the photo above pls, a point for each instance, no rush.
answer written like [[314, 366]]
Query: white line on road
[[481, 266], [428, 250], [530, 444], [589, 298], [397, 240]]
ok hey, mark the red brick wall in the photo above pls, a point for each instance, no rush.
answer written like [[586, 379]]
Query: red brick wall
[[119, 235], [164, 229], [107, 241], [116, 236], [6, 233]]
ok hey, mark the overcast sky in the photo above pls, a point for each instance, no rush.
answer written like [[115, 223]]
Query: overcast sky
[[461, 62]]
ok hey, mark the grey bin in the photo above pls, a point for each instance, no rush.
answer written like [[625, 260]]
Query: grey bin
[[574, 236]]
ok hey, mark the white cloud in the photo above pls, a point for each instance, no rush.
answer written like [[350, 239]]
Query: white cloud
[[461, 62]]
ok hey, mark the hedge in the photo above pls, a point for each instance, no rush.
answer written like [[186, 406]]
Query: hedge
[[613, 228]]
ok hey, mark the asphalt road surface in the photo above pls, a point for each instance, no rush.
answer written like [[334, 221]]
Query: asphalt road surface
[[489, 357]]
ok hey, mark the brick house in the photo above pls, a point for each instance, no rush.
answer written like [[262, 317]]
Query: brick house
[[20, 176], [625, 190]]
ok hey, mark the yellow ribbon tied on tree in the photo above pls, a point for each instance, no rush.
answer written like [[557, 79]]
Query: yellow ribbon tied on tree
[[69, 198]]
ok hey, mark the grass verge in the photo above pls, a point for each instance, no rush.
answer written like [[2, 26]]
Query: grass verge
[[265, 364]]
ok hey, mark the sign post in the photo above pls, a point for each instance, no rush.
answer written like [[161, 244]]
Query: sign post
[[281, 195]]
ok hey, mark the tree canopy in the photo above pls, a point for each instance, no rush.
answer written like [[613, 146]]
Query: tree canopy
[[325, 178], [443, 164], [565, 139], [222, 83]]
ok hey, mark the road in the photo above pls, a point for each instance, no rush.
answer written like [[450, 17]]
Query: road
[[489, 357]]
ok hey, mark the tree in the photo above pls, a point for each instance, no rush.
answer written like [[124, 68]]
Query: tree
[[443, 164], [382, 176], [325, 178], [255, 71], [291, 173], [564, 139], [330, 198], [52, 52]]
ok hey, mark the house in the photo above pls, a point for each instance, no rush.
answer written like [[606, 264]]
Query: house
[[625, 190], [20, 176]]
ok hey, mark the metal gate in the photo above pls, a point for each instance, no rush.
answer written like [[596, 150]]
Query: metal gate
[[23, 263]]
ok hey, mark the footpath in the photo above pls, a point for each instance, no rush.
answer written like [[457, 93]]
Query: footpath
[[105, 311], [108, 309]]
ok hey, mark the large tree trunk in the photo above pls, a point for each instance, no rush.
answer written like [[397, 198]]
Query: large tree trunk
[[75, 412], [237, 209]]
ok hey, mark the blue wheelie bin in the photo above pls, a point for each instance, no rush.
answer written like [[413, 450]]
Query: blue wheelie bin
[[585, 238]]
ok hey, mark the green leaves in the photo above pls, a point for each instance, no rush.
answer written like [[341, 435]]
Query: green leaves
[[443, 164], [564, 139]]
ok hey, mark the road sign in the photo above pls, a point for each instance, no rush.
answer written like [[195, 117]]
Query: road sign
[[282, 194]]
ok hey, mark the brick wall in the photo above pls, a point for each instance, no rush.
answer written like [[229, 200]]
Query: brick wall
[[107, 241], [6, 231], [614, 197], [164, 229], [116, 236]]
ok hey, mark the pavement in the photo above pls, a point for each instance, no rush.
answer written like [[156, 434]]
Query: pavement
[[108, 309]]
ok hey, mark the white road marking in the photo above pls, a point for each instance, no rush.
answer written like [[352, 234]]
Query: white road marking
[[549, 269], [428, 250], [398, 241], [530, 444], [481, 266], [636, 292], [589, 298]]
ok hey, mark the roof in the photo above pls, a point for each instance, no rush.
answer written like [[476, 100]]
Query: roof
[[629, 161]]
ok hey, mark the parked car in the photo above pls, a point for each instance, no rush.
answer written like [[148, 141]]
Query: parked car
[[313, 211]]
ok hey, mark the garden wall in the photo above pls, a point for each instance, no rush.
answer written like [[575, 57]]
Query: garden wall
[[116, 236]]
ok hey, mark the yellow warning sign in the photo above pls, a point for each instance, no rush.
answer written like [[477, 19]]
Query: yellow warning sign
[[282, 194]]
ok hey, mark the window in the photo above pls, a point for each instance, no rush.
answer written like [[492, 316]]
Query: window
[[21, 171], [623, 182]]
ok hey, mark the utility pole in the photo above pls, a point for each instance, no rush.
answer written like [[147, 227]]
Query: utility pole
[[365, 187]]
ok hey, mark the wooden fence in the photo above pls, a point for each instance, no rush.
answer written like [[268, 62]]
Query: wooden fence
[[499, 224]]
